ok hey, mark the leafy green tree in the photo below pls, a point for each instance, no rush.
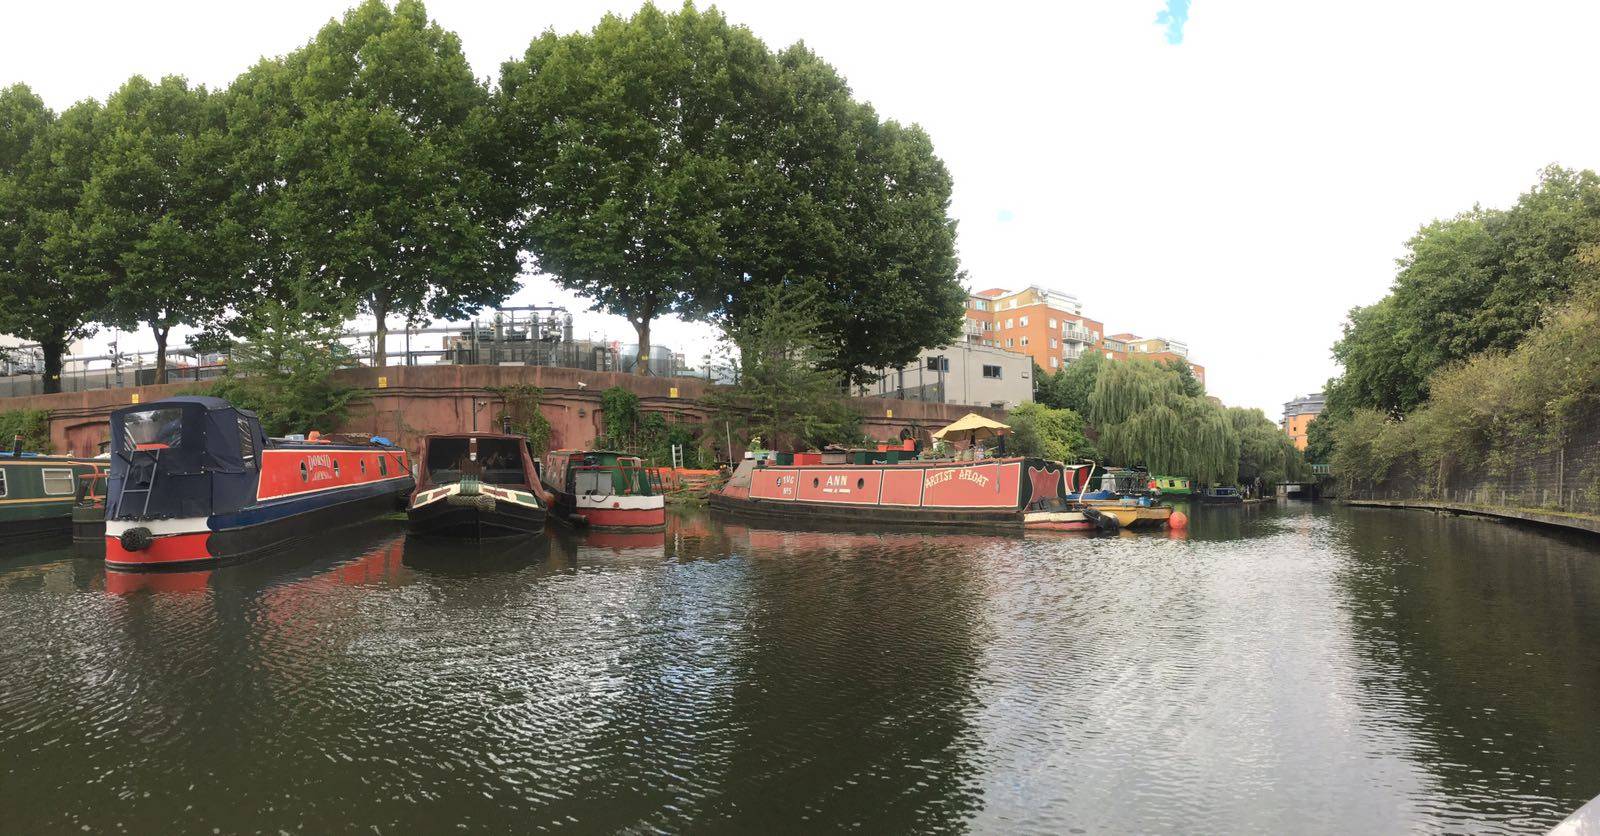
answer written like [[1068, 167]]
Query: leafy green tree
[[48, 293], [1070, 387], [1319, 439], [155, 217], [371, 170], [1191, 384], [672, 164], [786, 395], [1476, 282], [32, 424], [1038, 430], [284, 368]]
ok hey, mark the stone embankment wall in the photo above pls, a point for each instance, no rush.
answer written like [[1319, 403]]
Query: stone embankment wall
[[406, 402], [1565, 479]]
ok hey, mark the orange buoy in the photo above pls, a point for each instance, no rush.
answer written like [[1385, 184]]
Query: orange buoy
[[1178, 520]]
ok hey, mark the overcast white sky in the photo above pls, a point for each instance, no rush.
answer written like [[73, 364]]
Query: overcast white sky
[[1239, 190]]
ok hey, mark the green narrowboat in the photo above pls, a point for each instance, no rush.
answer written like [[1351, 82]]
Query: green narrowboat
[[37, 492], [1174, 485]]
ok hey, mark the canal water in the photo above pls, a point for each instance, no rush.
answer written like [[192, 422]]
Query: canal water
[[1285, 669]]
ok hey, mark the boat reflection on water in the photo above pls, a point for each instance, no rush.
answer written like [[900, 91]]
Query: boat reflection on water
[[365, 554], [578, 545], [440, 556]]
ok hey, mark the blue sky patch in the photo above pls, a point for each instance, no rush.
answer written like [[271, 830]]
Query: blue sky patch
[[1174, 17]]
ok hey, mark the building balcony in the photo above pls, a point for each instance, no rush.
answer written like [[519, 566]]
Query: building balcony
[[1075, 334]]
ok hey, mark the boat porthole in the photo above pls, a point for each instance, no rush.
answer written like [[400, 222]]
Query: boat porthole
[[816, 482], [860, 483], [302, 471]]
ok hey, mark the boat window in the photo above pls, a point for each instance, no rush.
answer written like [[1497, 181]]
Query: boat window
[[154, 428], [58, 481], [303, 471], [247, 443], [592, 482], [383, 465], [363, 467], [335, 468], [2, 481]]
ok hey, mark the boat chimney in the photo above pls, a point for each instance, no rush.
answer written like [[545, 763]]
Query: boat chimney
[[16, 446]]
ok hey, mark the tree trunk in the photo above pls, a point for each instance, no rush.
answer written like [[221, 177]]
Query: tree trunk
[[380, 339], [642, 365], [53, 350], [161, 351]]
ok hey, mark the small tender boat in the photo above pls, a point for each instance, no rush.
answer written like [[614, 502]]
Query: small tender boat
[[1131, 514], [37, 491], [476, 485], [604, 489], [195, 480]]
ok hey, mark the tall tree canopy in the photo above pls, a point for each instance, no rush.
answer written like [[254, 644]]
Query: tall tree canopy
[[671, 163], [155, 222], [371, 173], [49, 294], [1476, 282]]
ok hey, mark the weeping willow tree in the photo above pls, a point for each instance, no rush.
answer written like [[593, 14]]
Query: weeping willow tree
[[1146, 416], [1265, 452]]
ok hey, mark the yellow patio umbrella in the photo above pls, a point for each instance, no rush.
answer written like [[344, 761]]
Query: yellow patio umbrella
[[976, 425]]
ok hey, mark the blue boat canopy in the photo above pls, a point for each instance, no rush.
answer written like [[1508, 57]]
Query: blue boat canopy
[[200, 450]]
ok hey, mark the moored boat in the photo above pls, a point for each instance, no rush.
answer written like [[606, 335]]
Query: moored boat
[[1223, 495], [195, 480], [603, 489], [37, 491], [1174, 485], [476, 485], [89, 509], [987, 493]]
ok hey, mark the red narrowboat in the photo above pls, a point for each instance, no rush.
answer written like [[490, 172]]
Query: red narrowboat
[[195, 480], [604, 489], [876, 487]]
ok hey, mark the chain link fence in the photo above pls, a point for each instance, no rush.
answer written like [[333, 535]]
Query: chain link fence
[[1566, 478]]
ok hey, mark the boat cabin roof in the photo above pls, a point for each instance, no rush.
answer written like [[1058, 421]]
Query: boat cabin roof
[[511, 436]]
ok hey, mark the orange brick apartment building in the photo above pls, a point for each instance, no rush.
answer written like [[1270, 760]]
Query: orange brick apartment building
[[1050, 327]]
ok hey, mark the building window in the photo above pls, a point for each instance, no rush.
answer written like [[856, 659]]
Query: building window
[[1052, 324], [1008, 342], [1024, 340], [1008, 323], [1024, 321], [938, 364], [991, 371], [1110, 356], [1013, 303], [1052, 342], [57, 481], [1054, 362]]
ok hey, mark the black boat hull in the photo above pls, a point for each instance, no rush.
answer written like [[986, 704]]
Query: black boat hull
[[475, 522]]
